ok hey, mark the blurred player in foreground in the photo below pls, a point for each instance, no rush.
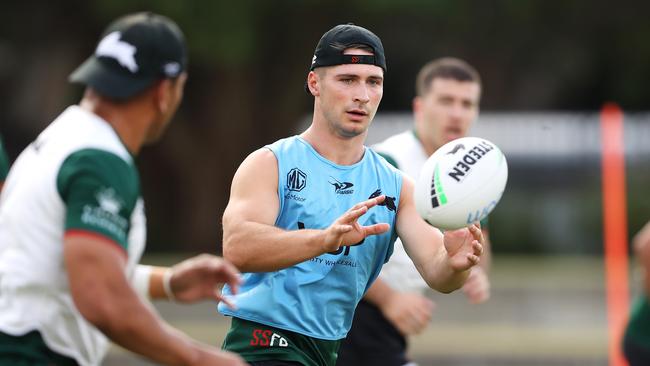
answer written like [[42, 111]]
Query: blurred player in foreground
[[447, 103], [72, 224], [636, 344], [312, 218]]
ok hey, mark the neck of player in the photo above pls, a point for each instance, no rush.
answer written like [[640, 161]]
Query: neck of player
[[128, 118], [337, 149]]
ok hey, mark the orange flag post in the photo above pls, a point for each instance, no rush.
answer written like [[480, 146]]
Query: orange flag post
[[615, 229]]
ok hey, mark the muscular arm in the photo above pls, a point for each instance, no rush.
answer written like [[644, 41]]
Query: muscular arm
[[251, 241], [444, 267], [103, 295]]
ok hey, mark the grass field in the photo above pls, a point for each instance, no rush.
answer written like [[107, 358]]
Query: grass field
[[543, 311]]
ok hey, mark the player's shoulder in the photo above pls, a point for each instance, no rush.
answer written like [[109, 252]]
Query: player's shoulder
[[396, 147], [96, 169], [100, 163], [77, 129], [284, 143], [263, 155], [384, 163], [382, 159], [258, 164], [395, 142]]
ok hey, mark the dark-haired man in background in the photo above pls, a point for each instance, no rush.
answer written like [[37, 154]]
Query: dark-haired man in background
[[447, 98]]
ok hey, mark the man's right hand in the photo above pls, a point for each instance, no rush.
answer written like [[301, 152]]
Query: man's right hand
[[409, 312], [346, 230], [201, 278]]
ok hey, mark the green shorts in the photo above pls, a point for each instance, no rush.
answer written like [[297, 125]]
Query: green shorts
[[258, 342], [29, 350]]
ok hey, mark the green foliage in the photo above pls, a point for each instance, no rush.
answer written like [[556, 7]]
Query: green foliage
[[218, 32]]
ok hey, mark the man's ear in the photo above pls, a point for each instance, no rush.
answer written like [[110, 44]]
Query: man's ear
[[163, 94], [416, 105], [314, 83]]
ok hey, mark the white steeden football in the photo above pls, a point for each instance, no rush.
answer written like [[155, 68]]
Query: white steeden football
[[461, 183]]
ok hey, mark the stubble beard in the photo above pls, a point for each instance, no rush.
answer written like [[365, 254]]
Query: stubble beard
[[348, 133], [337, 126]]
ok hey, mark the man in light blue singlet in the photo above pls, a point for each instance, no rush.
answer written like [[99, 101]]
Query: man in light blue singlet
[[312, 218]]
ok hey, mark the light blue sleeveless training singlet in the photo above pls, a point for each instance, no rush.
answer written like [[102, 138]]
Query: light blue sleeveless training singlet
[[317, 297]]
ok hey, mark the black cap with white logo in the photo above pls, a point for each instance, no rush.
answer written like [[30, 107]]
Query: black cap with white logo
[[329, 51], [134, 52]]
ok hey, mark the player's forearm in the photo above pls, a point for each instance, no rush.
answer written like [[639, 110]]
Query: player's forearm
[[134, 325], [440, 276], [254, 247], [149, 282], [145, 334]]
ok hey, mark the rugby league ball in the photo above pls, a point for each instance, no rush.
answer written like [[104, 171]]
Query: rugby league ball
[[461, 183]]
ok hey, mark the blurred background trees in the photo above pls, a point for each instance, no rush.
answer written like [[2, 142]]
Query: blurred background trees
[[249, 60]]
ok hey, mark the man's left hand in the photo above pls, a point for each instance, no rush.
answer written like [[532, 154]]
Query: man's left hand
[[464, 247]]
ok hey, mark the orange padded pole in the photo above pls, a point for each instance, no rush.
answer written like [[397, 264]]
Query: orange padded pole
[[615, 229]]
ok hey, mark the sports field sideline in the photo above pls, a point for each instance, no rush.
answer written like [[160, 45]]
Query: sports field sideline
[[543, 311]]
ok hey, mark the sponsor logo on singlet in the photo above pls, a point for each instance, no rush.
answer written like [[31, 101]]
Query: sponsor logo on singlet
[[296, 180], [267, 338], [389, 202], [341, 187], [106, 214]]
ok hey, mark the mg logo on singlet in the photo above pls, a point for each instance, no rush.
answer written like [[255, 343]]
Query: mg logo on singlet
[[296, 180]]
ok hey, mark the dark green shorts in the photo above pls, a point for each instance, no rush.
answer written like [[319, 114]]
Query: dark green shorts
[[258, 342], [29, 350]]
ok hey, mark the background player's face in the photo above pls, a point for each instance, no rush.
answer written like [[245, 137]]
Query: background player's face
[[447, 111], [349, 95], [172, 95]]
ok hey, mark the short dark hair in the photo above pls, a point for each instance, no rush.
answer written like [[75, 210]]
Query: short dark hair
[[445, 68]]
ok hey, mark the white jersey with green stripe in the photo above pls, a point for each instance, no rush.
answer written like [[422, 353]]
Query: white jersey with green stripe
[[77, 176], [406, 153]]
